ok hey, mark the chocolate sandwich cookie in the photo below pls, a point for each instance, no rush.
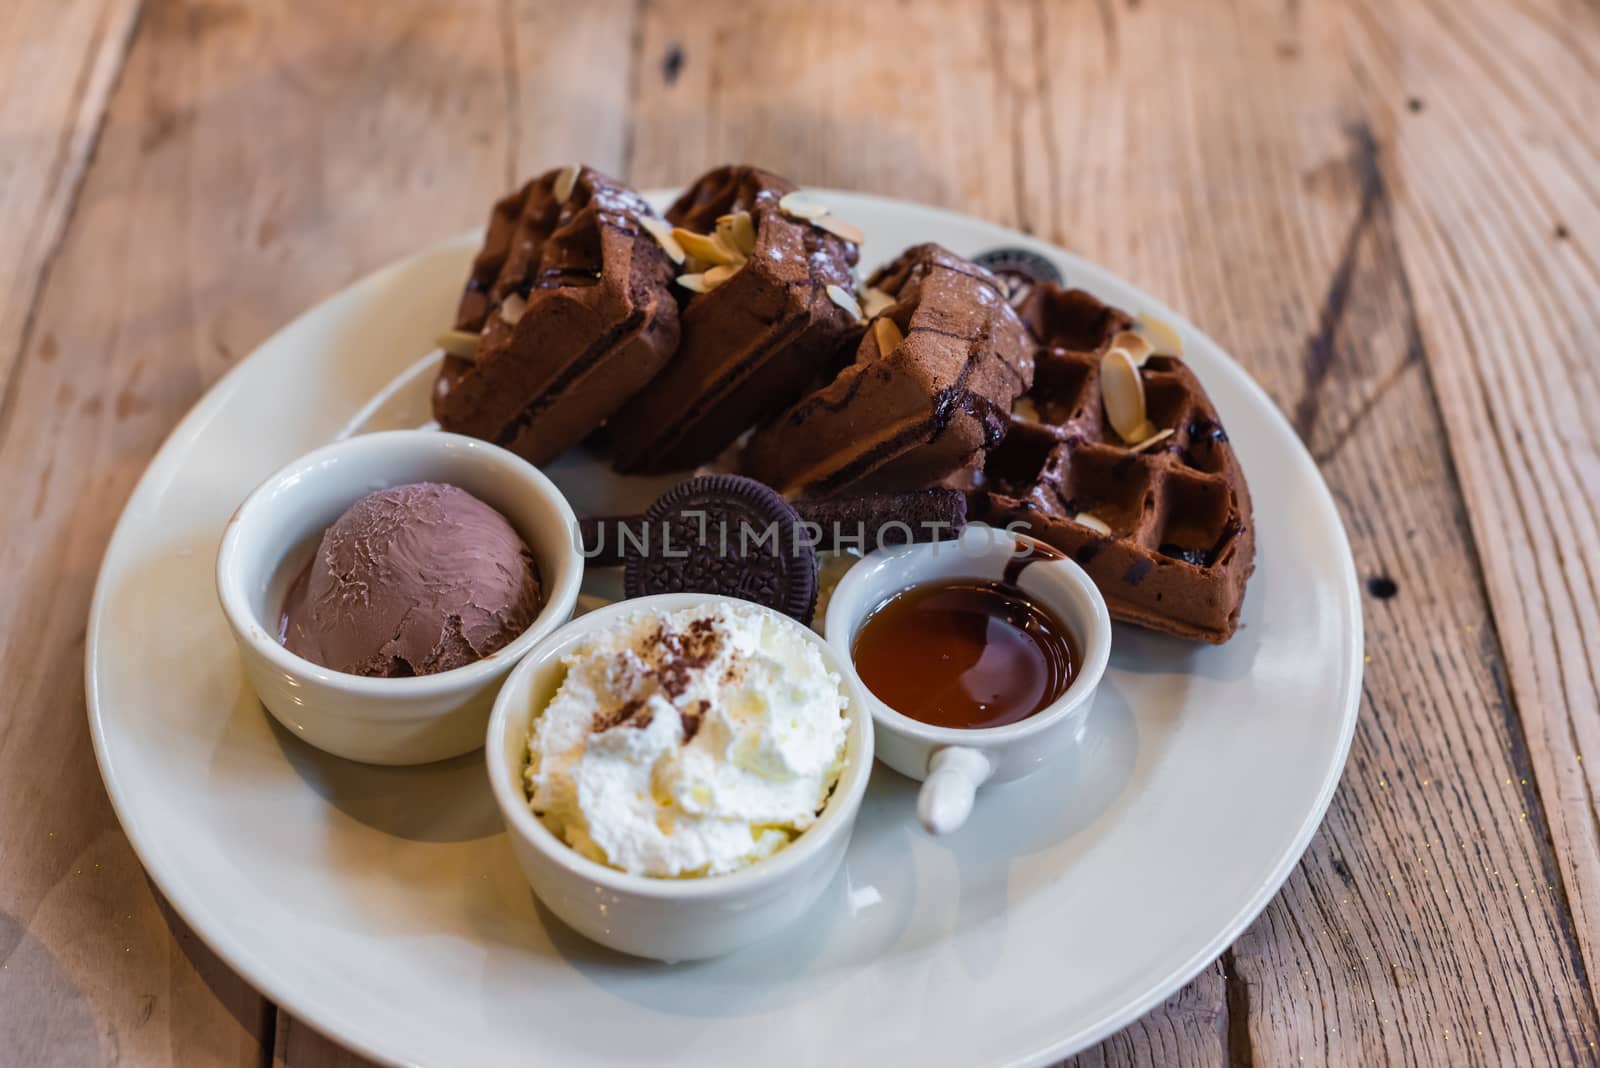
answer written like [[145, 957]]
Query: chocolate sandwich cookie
[[769, 309], [568, 312], [930, 389], [728, 535], [1019, 269]]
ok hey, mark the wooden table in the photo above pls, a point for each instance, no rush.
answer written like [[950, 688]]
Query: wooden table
[[1389, 211]]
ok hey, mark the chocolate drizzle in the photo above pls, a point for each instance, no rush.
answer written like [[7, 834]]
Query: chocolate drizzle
[[920, 413], [598, 307], [751, 345], [1181, 544], [569, 374], [1037, 551]]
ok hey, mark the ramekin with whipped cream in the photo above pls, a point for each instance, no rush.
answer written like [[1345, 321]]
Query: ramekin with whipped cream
[[680, 774]]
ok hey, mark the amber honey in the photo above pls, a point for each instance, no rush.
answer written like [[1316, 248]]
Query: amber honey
[[967, 653]]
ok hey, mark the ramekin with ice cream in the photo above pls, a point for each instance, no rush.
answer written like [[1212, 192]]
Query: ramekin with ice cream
[[680, 774], [331, 685]]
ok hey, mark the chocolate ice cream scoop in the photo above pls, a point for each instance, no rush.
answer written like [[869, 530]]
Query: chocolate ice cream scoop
[[412, 580]]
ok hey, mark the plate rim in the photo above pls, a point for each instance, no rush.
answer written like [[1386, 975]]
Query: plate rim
[[369, 1042]]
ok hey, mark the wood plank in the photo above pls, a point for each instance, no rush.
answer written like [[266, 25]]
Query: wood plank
[[1492, 112], [298, 1046], [58, 60], [816, 92], [1242, 176], [256, 157], [1188, 1030], [95, 968]]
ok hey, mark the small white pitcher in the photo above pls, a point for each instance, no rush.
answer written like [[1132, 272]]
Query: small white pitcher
[[952, 762]]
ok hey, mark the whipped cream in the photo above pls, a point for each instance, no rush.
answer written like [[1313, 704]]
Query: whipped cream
[[688, 743]]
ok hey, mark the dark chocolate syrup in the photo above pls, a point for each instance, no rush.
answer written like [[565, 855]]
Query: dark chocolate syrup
[[1038, 550], [968, 653]]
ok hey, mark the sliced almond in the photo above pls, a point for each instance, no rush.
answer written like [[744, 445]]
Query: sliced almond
[[460, 343], [565, 180], [1154, 439], [1093, 522], [841, 296], [1122, 391], [738, 231], [797, 205], [729, 244], [887, 331], [1164, 340], [875, 301], [706, 247], [719, 274], [659, 230], [839, 228], [1137, 347], [744, 228], [1026, 409], [512, 307], [693, 282]]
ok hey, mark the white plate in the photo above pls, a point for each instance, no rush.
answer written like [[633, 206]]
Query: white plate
[[383, 907]]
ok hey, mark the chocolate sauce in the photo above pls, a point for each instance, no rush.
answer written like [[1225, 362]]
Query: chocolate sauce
[[968, 653], [1038, 550]]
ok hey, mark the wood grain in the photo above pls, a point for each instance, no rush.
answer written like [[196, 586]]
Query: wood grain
[[58, 59], [1386, 212], [256, 157], [94, 968], [91, 968], [1267, 215], [1497, 149], [298, 1046]]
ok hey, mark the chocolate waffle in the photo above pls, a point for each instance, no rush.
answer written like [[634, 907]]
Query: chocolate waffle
[[931, 387], [1165, 531], [759, 326], [573, 313]]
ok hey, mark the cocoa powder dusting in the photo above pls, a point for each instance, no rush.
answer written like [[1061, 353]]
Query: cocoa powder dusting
[[627, 712], [673, 658], [692, 720]]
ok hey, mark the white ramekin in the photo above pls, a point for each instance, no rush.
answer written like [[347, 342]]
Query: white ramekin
[[273, 533], [952, 762], [666, 919]]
